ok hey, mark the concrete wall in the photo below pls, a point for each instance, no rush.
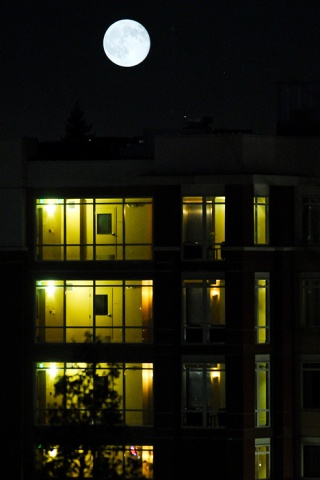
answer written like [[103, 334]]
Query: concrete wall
[[235, 153], [13, 174]]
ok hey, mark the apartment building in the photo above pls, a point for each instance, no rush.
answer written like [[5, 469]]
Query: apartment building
[[162, 314]]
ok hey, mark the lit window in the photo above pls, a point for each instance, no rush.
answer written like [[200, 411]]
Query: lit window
[[311, 302], [261, 220], [310, 386], [94, 394], [311, 459], [203, 227], [107, 311], [115, 461], [262, 309], [204, 395], [262, 392], [311, 220], [204, 311], [94, 229], [262, 459]]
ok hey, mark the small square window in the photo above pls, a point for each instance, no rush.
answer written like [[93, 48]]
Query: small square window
[[101, 304], [104, 223]]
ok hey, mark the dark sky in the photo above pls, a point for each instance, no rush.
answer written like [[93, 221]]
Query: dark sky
[[220, 58]]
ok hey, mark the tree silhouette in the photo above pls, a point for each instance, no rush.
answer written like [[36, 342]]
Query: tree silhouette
[[76, 127], [82, 400], [101, 463], [87, 397], [85, 410]]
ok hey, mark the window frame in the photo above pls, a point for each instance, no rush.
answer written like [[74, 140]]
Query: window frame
[[208, 243], [91, 330], [312, 284], [204, 416], [260, 443], [56, 370], [123, 458], [207, 331], [260, 410], [261, 204], [310, 216], [262, 276], [118, 247], [308, 442], [309, 364]]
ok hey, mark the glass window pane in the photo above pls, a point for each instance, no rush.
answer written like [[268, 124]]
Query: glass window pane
[[204, 311], [311, 461], [311, 382], [203, 228], [219, 219], [262, 394], [93, 229], [79, 312], [104, 223], [262, 310], [138, 223], [193, 229], [311, 303], [133, 461], [107, 394], [261, 220], [217, 302], [262, 460], [94, 311], [73, 229], [311, 220], [50, 311], [204, 395]]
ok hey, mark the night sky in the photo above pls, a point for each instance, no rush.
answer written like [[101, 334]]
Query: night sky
[[219, 58]]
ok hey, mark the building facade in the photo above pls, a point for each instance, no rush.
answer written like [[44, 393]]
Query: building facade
[[163, 314]]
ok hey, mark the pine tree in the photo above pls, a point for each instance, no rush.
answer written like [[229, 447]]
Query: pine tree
[[77, 128]]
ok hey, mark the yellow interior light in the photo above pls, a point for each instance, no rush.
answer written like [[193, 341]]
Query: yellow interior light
[[53, 370], [53, 452], [215, 373], [50, 288]]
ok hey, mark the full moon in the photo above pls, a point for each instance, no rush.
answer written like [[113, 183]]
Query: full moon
[[126, 43]]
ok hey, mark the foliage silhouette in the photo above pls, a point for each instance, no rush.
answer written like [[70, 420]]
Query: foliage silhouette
[[98, 463], [76, 127], [87, 397], [102, 463], [83, 399]]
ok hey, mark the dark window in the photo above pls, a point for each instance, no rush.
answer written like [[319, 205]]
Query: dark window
[[311, 382], [101, 304], [311, 303], [311, 220], [204, 311], [204, 395], [311, 461], [203, 228], [104, 223]]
